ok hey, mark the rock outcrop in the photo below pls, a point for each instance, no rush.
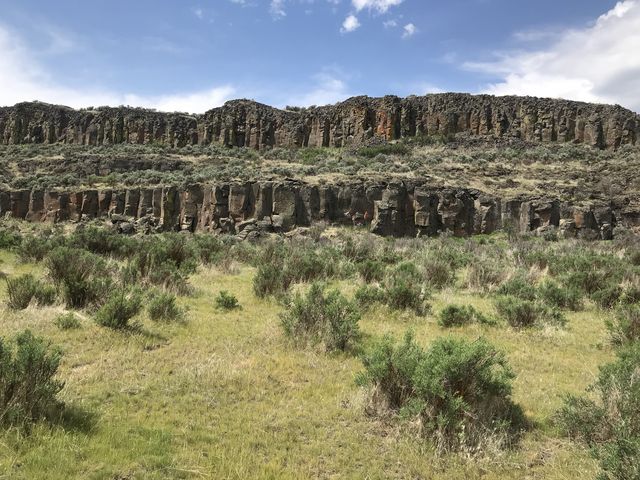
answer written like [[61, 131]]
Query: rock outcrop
[[245, 123], [409, 208]]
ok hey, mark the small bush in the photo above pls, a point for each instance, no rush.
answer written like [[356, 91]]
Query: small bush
[[67, 321], [384, 149], [438, 273], [9, 239], [403, 290], [609, 421], [163, 307], [119, 308], [626, 326], [317, 317], [20, 291], [460, 390], [82, 276], [33, 248], [366, 296], [269, 280], [371, 270], [226, 301], [28, 388], [518, 286], [45, 294], [459, 315], [561, 297], [607, 297], [518, 313]]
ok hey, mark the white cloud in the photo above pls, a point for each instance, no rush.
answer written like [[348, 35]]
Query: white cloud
[[198, 12], [390, 24], [598, 63], [276, 7], [409, 30], [331, 87], [24, 79], [381, 6], [350, 24]]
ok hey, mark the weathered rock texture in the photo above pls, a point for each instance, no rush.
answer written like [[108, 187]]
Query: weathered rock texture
[[409, 208], [245, 123]]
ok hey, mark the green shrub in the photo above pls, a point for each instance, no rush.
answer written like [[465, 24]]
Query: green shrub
[[28, 388], [609, 420], [518, 313], [438, 273], [103, 241], [367, 295], [518, 286], [120, 307], [371, 270], [20, 291], [460, 390], [162, 306], [317, 317], [67, 321], [226, 301], [459, 315], [607, 297], [270, 280], [562, 297], [625, 328], [45, 294], [403, 289], [82, 276], [9, 239], [33, 248], [384, 149]]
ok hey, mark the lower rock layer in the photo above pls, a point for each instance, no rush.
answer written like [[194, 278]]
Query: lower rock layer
[[410, 208]]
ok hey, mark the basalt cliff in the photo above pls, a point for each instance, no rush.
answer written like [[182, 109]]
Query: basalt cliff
[[244, 123], [250, 209]]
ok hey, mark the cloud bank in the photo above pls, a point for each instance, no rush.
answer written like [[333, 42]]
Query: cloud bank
[[599, 63]]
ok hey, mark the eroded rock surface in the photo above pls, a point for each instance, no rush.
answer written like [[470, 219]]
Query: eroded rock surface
[[410, 208], [246, 123]]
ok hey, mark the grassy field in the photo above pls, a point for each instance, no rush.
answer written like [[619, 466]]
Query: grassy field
[[226, 395]]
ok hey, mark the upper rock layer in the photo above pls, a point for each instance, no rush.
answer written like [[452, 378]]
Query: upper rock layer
[[245, 123]]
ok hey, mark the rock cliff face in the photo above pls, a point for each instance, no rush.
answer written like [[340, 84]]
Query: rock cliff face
[[245, 123], [410, 208]]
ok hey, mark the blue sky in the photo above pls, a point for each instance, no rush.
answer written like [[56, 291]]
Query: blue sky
[[193, 55]]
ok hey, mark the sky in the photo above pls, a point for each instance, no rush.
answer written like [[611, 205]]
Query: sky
[[193, 55]]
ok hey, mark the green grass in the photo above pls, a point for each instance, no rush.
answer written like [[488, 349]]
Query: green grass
[[225, 395]]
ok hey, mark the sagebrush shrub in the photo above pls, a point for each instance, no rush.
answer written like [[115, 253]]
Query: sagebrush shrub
[[368, 295], [404, 290], [609, 421], [270, 280], [460, 390], [119, 309], [371, 270], [518, 286], [518, 313], [28, 388], [459, 315], [45, 294], [67, 321], [625, 328], [82, 276], [562, 297], [226, 301], [20, 291], [608, 296], [438, 273], [162, 306], [319, 317]]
